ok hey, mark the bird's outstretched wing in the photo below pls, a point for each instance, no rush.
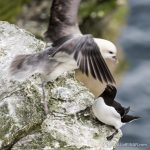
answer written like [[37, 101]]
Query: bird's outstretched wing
[[63, 19], [87, 54]]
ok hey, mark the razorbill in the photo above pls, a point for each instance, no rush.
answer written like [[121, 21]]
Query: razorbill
[[70, 49], [110, 112]]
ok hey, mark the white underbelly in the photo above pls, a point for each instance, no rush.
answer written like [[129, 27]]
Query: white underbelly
[[64, 67], [106, 114]]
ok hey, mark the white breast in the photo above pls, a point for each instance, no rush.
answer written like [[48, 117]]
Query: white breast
[[106, 114], [63, 67]]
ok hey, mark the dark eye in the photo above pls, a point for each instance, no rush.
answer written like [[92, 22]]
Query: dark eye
[[110, 52]]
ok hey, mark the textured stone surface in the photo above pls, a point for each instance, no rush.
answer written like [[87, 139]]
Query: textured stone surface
[[22, 121]]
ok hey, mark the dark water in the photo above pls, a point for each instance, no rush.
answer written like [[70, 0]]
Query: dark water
[[135, 88]]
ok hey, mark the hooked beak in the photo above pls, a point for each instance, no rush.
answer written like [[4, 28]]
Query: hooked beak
[[114, 58]]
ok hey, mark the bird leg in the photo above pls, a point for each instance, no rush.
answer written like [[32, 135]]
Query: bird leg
[[45, 101], [84, 112], [111, 136]]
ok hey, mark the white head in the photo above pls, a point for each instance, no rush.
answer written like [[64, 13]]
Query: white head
[[107, 49]]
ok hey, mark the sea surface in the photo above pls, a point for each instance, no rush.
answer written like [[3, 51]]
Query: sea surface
[[134, 90]]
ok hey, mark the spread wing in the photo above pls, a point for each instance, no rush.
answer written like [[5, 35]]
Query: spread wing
[[87, 55], [63, 19]]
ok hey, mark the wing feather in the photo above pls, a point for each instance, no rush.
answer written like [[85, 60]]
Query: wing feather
[[91, 67], [87, 54], [96, 65], [101, 69], [97, 69], [86, 66], [63, 19]]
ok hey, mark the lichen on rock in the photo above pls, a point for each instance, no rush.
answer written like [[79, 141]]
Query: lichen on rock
[[23, 124]]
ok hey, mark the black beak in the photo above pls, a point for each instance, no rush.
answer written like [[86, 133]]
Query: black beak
[[114, 58]]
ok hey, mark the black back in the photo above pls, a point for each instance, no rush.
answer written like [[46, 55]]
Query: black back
[[109, 95]]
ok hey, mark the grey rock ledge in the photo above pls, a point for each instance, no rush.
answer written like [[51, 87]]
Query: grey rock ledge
[[22, 121]]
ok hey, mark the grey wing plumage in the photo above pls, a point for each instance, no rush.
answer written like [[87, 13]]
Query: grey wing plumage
[[87, 54], [63, 19]]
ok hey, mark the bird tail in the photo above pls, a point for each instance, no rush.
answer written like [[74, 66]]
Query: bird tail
[[129, 118], [23, 66]]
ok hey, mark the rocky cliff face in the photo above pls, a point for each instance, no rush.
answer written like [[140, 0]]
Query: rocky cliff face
[[23, 125]]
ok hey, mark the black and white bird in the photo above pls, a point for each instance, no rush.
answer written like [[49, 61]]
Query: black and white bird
[[70, 49], [110, 112]]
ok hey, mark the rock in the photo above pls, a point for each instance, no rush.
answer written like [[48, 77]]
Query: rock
[[69, 126]]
